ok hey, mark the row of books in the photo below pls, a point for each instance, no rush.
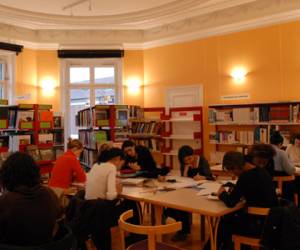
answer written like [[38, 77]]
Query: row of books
[[151, 128], [84, 118], [263, 113], [88, 158], [93, 139], [259, 135], [136, 112], [153, 144]]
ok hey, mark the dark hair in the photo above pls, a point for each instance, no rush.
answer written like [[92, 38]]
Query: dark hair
[[233, 160], [183, 152], [276, 138], [108, 154], [264, 151], [127, 143], [296, 136], [19, 169]]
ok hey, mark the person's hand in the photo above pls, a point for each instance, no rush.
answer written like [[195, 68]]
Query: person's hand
[[119, 186], [198, 177], [161, 178], [220, 191], [134, 166]]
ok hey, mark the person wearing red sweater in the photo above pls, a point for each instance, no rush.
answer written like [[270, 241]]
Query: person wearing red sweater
[[67, 168]]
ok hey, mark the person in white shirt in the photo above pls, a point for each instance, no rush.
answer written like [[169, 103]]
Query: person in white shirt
[[282, 164], [293, 150], [102, 183]]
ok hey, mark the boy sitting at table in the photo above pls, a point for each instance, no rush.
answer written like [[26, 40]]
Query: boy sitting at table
[[196, 167], [255, 186]]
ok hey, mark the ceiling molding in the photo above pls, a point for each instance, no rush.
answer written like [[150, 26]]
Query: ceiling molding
[[146, 19], [238, 18]]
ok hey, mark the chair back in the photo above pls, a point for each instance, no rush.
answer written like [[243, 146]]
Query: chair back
[[262, 211], [151, 231]]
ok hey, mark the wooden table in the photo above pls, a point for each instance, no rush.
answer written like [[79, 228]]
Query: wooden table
[[184, 199]]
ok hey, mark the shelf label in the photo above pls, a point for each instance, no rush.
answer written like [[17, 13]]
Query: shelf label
[[235, 97]]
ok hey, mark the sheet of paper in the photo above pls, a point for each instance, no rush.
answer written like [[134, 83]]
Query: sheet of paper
[[132, 181], [209, 187]]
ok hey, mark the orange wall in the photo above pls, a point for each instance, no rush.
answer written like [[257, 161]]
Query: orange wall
[[270, 55], [26, 76], [133, 70]]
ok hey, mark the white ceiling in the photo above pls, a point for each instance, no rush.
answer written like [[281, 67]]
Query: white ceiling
[[133, 24], [84, 8]]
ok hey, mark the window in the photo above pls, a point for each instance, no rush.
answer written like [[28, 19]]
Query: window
[[87, 82], [7, 65]]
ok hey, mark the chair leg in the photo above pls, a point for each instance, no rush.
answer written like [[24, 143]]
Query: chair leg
[[237, 245], [296, 199], [202, 228]]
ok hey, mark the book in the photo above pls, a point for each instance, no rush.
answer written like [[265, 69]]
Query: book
[[34, 152], [45, 138], [45, 116], [47, 154], [24, 116]]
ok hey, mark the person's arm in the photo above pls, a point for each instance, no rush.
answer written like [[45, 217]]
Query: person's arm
[[287, 164], [232, 198], [78, 171], [112, 185], [204, 168]]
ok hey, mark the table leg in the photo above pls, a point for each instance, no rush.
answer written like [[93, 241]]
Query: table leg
[[158, 210], [213, 224], [202, 228]]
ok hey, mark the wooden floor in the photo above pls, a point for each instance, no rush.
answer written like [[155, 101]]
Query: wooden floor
[[192, 243]]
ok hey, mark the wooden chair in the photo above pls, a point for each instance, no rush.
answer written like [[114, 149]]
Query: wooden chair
[[250, 241], [280, 180], [151, 231]]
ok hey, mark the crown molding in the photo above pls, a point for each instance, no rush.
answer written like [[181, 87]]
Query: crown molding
[[237, 18], [141, 20]]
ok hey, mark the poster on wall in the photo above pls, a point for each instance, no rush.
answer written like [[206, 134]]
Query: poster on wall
[[235, 97]]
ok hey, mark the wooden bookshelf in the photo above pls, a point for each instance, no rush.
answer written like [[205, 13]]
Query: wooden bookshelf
[[242, 125]]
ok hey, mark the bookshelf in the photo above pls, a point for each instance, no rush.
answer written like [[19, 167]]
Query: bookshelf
[[100, 124], [175, 134], [238, 126]]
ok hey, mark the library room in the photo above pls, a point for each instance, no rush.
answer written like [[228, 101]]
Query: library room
[[159, 125]]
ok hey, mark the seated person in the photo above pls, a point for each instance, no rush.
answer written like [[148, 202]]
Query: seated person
[[255, 185], [102, 183], [28, 210], [293, 150], [282, 164], [67, 168], [195, 167], [261, 155], [139, 158], [192, 165]]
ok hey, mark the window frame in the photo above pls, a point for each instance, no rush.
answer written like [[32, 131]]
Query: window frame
[[92, 63], [8, 59]]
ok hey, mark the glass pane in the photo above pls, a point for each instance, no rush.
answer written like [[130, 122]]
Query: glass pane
[[1, 71], [79, 99], [105, 75], [79, 75], [105, 96]]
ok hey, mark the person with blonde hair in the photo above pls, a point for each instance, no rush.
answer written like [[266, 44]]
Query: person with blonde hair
[[67, 168]]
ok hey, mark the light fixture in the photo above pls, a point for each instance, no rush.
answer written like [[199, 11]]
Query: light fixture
[[133, 85], [48, 86], [239, 74]]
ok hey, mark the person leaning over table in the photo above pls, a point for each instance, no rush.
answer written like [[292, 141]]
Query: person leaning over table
[[67, 168], [139, 158], [256, 187], [196, 167], [293, 150], [102, 185]]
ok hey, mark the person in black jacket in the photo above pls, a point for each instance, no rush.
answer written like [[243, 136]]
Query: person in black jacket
[[28, 210], [196, 167], [139, 158], [255, 186], [261, 155]]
